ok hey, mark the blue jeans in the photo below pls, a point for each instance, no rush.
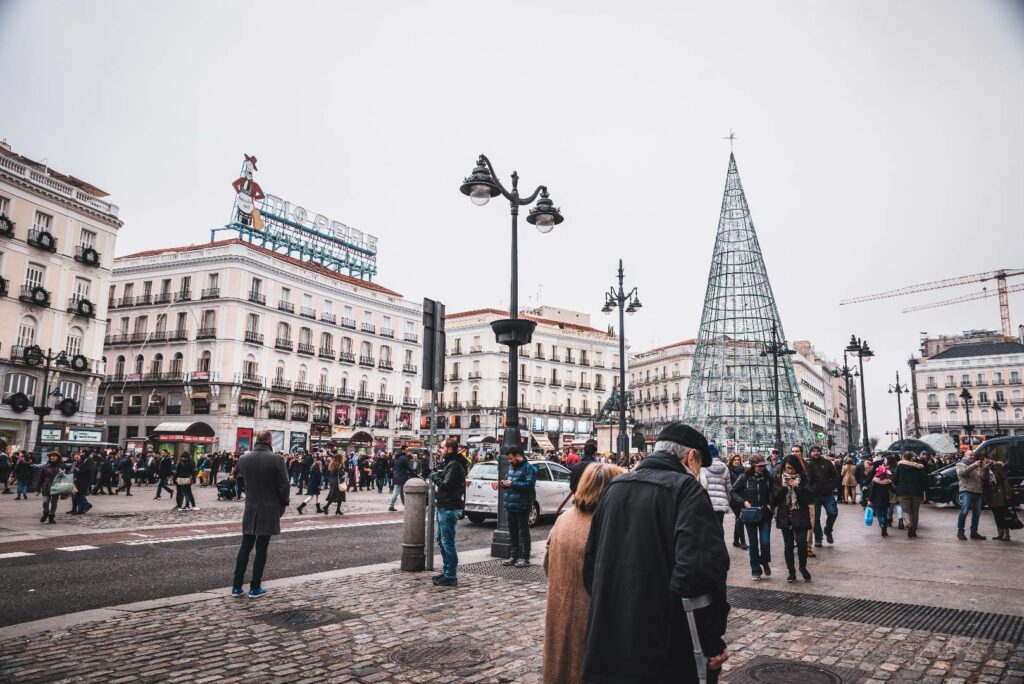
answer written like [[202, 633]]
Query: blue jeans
[[883, 515], [161, 485], [759, 537], [969, 501], [831, 513], [446, 520], [23, 488], [399, 492]]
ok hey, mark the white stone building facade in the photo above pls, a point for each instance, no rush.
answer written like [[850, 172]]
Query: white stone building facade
[[658, 380], [57, 237], [238, 337]]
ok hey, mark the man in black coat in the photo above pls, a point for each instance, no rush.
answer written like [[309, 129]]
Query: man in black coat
[[450, 498], [164, 471], [84, 471], [126, 466], [266, 498], [589, 452], [822, 478], [402, 473], [654, 540]]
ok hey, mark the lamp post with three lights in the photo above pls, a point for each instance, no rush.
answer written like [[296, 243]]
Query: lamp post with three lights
[[628, 303]]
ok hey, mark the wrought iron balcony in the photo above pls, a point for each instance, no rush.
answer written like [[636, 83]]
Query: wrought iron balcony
[[162, 298], [42, 239], [252, 380], [257, 298], [474, 375], [385, 364], [177, 335], [367, 361], [282, 305], [281, 384], [346, 357], [304, 388], [409, 337], [283, 343], [365, 396], [323, 392], [308, 312], [306, 348], [345, 394], [368, 328], [326, 353], [328, 318], [348, 323], [210, 293], [87, 255], [385, 399], [208, 334], [253, 337], [386, 332], [410, 369], [144, 300]]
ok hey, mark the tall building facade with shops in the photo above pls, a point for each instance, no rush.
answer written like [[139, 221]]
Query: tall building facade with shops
[[565, 376], [988, 366], [235, 336], [57, 237]]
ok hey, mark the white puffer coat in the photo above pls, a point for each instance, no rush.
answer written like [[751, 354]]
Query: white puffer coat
[[719, 485]]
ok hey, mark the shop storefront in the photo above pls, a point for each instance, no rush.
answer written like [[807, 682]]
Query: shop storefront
[[12, 435], [176, 438]]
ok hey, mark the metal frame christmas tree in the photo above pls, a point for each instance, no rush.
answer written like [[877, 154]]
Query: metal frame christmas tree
[[731, 396]]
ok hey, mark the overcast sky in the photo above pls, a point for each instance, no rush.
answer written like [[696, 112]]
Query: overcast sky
[[880, 144]]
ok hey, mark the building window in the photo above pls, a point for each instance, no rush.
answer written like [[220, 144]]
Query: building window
[[43, 222], [205, 360], [140, 364], [176, 363], [1000, 397], [119, 367], [35, 275], [19, 382], [74, 341], [87, 238], [257, 286], [182, 323], [5, 206], [27, 331], [252, 324], [70, 390]]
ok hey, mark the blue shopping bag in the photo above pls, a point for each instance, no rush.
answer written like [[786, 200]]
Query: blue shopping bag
[[869, 516]]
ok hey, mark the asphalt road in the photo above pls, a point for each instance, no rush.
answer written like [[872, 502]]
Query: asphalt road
[[55, 582]]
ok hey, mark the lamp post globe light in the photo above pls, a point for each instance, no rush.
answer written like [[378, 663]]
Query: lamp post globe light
[[481, 186], [861, 350], [899, 390], [627, 303]]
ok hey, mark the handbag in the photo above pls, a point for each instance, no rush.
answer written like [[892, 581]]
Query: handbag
[[1011, 521], [183, 481], [342, 486], [751, 516], [61, 484], [869, 516]]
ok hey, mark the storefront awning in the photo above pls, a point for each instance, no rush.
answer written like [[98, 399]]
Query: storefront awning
[[341, 434], [543, 442], [196, 429]]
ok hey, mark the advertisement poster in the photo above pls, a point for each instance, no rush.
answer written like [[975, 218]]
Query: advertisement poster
[[277, 437], [243, 439], [298, 442]]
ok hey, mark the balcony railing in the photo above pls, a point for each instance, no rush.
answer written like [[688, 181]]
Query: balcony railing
[[277, 414], [476, 349], [326, 353], [346, 394], [409, 337], [304, 387], [525, 378], [126, 301], [455, 377], [158, 336], [556, 357], [348, 323], [455, 352], [385, 364], [81, 306], [7, 227], [328, 318], [600, 388], [114, 339], [300, 416], [474, 375], [253, 380], [408, 401], [207, 334], [308, 312], [139, 336], [306, 348], [281, 384], [135, 410], [177, 335], [933, 404], [410, 369], [283, 343], [570, 384], [386, 332], [368, 328], [553, 408], [162, 298], [116, 409], [253, 337], [365, 396], [570, 359], [324, 391], [87, 255], [144, 299], [385, 399], [283, 305], [585, 385], [42, 239], [210, 293], [257, 298], [538, 380], [183, 296], [346, 357], [367, 361], [584, 361], [555, 382]]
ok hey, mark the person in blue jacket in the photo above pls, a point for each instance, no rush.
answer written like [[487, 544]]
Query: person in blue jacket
[[519, 485]]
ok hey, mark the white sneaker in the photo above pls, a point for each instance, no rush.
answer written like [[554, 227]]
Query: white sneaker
[[755, 578], [195, 508]]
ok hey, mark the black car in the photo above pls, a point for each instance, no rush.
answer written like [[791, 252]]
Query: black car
[[944, 487]]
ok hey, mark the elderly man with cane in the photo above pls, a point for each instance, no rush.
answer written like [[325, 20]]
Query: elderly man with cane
[[655, 566]]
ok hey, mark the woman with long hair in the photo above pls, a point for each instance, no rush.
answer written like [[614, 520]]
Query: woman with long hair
[[568, 603], [184, 476], [335, 482], [753, 493], [791, 495], [316, 476], [735, 470]]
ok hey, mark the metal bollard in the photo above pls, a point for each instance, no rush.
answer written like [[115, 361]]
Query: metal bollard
[[414, 525]]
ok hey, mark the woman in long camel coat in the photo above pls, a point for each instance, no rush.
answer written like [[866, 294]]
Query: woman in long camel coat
[[565, 623]]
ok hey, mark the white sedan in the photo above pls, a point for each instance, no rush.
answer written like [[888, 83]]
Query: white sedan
[[482, 490]]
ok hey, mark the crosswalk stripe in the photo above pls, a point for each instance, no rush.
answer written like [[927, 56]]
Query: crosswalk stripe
[[304, 528], [82, 547], [15, 554]]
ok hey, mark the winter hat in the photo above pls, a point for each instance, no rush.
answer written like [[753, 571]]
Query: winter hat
[[756, 460], [683, 434]]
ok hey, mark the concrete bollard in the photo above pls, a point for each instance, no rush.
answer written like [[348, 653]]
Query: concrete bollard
[[414, 525]]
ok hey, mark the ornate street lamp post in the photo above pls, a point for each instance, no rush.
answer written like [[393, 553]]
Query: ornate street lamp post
[[847, 373], [628, 303], [775, 349], [899, 390], [35, 356], [997, 407], [966, 395], [481, 185], [862, 351]]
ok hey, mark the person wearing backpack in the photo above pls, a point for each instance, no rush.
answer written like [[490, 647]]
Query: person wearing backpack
[[51, 470]]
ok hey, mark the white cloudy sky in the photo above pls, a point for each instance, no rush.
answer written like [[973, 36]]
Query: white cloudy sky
[[880, 143]]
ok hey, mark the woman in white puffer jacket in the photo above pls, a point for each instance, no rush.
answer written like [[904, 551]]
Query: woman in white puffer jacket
[[718, 485]]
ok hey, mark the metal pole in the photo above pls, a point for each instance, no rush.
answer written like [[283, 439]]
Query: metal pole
[[775, 378], [430, 462], [996, 411], [623, 437], [849, 423], [899, 405], [913, 387], [864, 405]]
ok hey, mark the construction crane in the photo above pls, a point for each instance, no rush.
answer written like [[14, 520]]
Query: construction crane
[[1002, 289]]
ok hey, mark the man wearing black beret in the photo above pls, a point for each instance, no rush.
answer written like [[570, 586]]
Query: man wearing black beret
[[654, 540]]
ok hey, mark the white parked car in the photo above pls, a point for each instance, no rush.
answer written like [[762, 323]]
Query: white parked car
[[482, 490]]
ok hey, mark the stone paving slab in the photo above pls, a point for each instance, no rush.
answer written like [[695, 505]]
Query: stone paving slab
[[397, 627]]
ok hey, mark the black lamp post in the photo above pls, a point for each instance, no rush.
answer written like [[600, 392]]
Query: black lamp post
[[847, 373], [997, 407], [628, 303], [481, 185], [912, 362], [899, 390], [861, 349], [966, 395], [776, 349], [35, 356]]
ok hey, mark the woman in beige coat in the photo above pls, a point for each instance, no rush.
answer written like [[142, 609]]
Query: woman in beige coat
[[849, 481], [565, 623]]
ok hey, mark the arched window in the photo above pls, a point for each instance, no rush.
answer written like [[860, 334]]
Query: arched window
[[250, 367], [407, 391], [383, 388], [933, 399], [933, 418], [984, 416], [177, 362], [364, 385], [568, 403], [302, 373], [474, 396], [952, 417], [284, 332], [584, 405], [1018, 414], [74, 341], [140, 363], [27, 331], [157, 366], [324, 375], [344, 380], [279, 371], [205, 360]]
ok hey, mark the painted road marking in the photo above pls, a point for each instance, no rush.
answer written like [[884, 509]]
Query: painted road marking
[[83, 547], [16, 554], [139, 534], [222, 535]]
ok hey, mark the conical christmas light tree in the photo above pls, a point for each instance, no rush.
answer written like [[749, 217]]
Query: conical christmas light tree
[[731, 396]]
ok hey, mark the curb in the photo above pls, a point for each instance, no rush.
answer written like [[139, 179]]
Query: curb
[[64, 622]]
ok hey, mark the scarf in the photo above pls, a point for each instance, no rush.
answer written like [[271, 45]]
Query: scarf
[[791, 501]]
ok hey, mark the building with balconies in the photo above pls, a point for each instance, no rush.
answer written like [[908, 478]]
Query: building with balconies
[[299, 366], [57, 237], [564, 377], [989, 366], [658, 379]]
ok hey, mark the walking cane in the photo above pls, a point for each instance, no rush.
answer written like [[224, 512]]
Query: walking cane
[[691, 605]]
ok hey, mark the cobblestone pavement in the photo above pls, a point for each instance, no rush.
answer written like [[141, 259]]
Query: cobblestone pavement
[[388, 626]]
